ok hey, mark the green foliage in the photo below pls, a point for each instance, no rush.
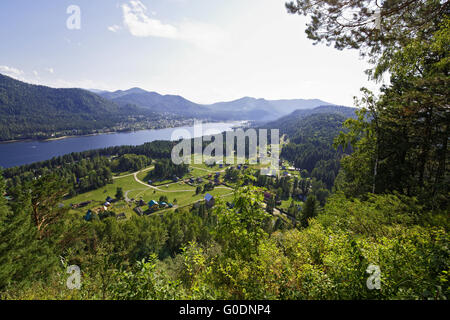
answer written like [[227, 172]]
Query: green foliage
[[144, 283], [239, 229], [310, 210], [119, 193]]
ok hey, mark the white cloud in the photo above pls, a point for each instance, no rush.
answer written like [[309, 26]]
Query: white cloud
[[35, 73], [114, 28], [139, 24], [51, 70], [10, 71]]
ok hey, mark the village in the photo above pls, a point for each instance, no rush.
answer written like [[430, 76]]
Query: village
[[141, 196]]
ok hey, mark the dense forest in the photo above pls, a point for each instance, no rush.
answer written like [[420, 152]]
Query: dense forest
[[374, 191]]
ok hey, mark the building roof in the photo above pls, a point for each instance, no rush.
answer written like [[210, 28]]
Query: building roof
[[152, 203], [208, 197]]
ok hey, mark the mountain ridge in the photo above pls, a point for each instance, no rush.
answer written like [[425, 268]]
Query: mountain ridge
[[247, 108]]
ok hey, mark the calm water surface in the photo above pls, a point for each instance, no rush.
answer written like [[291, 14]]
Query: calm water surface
[[19, 153]]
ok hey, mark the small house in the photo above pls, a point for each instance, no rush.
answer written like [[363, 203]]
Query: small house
[[153, 205], [209, 200], [109, 199], [88, 215], [163, 205], [139, 211]]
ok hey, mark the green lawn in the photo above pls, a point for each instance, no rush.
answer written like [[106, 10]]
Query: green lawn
[[183, 193], [285, 204]]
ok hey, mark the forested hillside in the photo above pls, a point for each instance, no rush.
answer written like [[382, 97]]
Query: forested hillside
[[31, 111]]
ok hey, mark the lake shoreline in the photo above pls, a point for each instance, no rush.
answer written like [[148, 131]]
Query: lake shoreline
[[24, 152], [104, 133]]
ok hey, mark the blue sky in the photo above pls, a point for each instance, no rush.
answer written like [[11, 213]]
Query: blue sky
[[204, 50]]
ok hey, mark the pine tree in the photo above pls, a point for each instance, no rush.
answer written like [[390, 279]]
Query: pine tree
[[22, 256], [309, 210]]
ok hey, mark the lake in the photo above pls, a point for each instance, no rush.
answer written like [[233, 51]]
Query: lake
[[20, 153]]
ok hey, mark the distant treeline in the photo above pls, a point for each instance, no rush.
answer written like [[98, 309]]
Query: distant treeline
[[93, 169]]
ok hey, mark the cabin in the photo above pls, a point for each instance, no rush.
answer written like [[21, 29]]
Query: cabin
[[107, 204], [139, 211], [88, 215], [109, 199], [150, 182], [163, 205], [209, 200], [80, 205], [153, 205]]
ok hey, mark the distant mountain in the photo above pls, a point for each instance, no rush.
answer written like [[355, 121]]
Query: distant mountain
[[156, 102], [246, 108], [34, 111], [275, 107], [289, 124], [28, 110]]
